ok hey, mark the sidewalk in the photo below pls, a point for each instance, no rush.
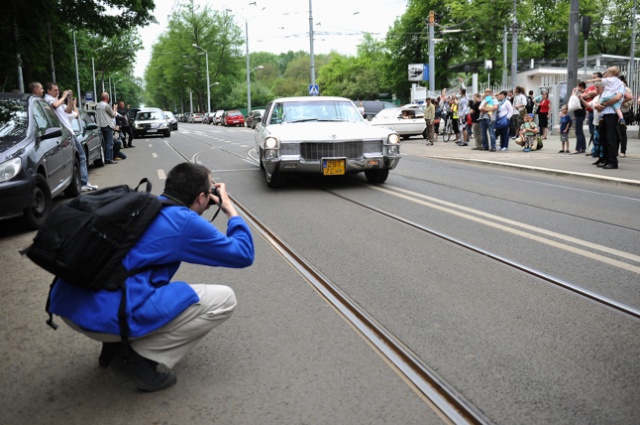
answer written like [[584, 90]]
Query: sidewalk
[[547, 160]]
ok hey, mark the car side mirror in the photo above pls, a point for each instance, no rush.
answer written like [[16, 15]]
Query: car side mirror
[[50, 133]]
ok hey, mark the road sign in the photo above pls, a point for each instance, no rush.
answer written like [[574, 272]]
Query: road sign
[[314, 90]]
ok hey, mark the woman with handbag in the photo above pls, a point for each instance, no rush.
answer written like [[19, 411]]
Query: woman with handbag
[[543, 114], [503, 120]]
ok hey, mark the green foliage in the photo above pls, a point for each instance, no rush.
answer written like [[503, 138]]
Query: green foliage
[[38, 29]]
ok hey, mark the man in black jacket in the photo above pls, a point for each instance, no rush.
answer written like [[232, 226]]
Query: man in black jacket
[[125, 126]]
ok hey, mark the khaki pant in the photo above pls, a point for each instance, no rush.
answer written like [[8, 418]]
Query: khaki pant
[[173, 341], [477, 134]]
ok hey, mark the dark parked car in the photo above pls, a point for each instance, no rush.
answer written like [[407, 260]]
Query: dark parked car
[[38, 160], [151, 121], [90, 136], [254, 117], [369, 108], [173, 121]]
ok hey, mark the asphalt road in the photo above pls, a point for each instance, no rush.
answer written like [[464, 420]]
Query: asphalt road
[[515, 347]]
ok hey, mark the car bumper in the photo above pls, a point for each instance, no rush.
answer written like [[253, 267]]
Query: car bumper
[[296, 164], [15, 196]]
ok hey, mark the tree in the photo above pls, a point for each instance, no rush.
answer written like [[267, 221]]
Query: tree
[[37, 29]]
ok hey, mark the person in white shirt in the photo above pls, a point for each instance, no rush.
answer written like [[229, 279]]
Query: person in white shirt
[[504, 109], [62, 107]]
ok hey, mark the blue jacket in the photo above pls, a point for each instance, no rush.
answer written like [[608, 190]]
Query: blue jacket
[[177, 234]]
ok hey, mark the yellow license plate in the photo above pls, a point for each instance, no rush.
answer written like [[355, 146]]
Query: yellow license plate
[[333, 167]]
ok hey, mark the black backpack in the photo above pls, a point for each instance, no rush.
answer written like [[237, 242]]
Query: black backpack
[[85, 240], [530, 105]]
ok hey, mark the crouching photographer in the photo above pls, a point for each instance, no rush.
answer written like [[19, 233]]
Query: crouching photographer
[[165, 318]]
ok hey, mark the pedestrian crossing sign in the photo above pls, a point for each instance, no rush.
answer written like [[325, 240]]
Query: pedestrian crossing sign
[[314, 90]]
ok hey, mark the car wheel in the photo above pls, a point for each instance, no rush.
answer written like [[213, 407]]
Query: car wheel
[[41, 206], [274, 180], [99, 161], [75, 186], [167, 133], [377, 176]]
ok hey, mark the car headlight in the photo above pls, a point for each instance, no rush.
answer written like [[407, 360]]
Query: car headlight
[[270, 143], [393, 138], [10, 169]]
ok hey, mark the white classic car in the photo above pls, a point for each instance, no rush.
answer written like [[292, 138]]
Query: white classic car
[[406, 121], [323, 135]]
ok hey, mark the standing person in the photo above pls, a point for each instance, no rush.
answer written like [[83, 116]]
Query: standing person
[[625, 108], [608, 131], [105, 115], [455, 118], [531, 103], [519, 109], [125, 125], [590, 99], [488, 107], [543, 114], [63, 106], [588, 96], [565, 126], [504, 109], [166, 318], [36, 89], [429, 116], [463, 111], [579, 116], [474, 110]]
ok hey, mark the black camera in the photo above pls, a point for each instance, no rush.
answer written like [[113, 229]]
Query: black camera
[[215, 192]]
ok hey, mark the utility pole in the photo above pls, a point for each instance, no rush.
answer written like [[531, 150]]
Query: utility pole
[[572, 57], [514, 48], [504, 52], [432, 59], [312, 67]]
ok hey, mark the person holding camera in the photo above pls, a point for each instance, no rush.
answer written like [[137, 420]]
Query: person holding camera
[[63, 105], [166, 318]]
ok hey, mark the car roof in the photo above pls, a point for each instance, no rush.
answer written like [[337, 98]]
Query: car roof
[[17, 95], [310, 99]]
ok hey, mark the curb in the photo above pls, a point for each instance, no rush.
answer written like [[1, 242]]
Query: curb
[[614, 180]]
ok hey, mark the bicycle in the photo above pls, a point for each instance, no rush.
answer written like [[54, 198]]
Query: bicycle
[[447, 132]]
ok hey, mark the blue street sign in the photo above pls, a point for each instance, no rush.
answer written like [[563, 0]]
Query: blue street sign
[[314, 90]]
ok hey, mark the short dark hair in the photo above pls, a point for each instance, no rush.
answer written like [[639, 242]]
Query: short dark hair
[[463, 90], [504, 92], [49, 85], [599, 74], [186, 181], [582, 85]]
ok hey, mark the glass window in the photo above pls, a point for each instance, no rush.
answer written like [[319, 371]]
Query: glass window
[[13, 118]]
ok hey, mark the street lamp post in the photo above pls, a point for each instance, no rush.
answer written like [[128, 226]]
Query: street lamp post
[[249, 71], [206, 58]]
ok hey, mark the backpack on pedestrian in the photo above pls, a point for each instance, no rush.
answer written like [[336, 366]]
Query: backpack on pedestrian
[[84, 241]]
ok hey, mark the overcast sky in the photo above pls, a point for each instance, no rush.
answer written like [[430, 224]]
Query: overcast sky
[[278, 26]]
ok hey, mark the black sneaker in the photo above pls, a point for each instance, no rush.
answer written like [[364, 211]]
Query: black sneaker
[[146, 374], [109, 349]]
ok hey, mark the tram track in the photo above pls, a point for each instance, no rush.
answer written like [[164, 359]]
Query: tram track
[[443, 397]]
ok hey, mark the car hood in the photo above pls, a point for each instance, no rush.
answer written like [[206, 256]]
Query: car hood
[[323, 131], [10, 145], [159, 121]]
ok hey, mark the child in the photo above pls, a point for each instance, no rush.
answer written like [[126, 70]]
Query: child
[[565, 125], [487, 102], [612, 86], [528, 131]]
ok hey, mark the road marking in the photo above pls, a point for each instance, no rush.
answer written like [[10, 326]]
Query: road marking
[[162, 175], [473, 215], [155, 155]]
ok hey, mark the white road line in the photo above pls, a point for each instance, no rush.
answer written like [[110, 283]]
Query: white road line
[[472, 215], [155, 155], [162, 175]]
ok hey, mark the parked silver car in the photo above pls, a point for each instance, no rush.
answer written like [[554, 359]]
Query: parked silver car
[[322, 135]]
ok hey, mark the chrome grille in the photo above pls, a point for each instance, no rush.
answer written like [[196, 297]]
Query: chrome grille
[[314, 151]]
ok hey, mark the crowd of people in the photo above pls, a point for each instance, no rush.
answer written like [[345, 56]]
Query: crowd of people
[[113, 121], [493, 119]]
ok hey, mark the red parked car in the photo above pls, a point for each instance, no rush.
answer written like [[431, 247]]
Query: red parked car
[[234, 118]]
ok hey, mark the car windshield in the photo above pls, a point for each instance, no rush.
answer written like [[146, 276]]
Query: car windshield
[[234, 114], [13, 118], [329, 110], [149, 116]]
